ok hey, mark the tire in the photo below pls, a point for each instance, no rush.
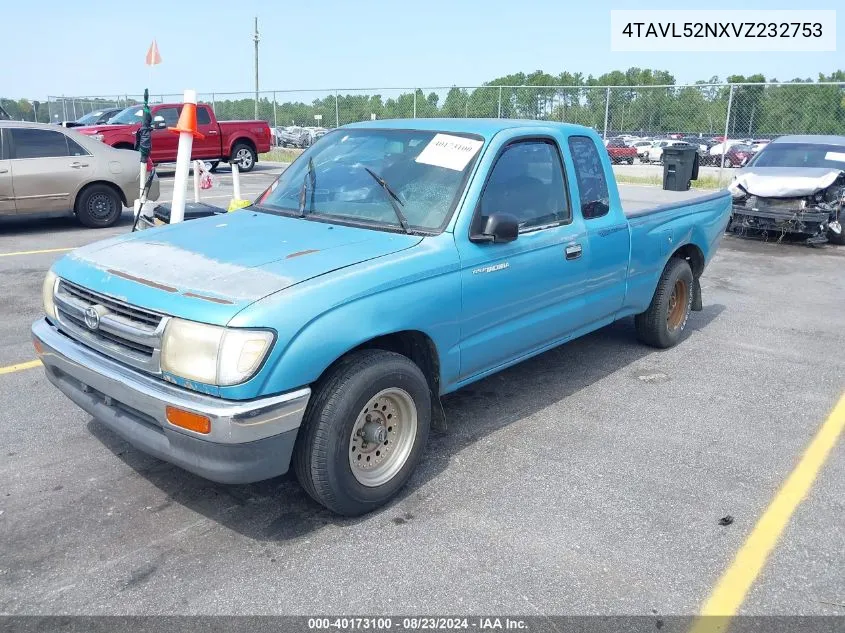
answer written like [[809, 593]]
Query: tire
[[838, 239], [662, 325], [728, 163], [328, 443], [214, 165], [244, 156], [630, 161], [98, 206]]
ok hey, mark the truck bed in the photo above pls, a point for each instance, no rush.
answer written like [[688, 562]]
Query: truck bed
[[657, 229]]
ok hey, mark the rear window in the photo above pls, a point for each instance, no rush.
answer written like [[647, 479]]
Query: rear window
[[589, 174], [33, 143]]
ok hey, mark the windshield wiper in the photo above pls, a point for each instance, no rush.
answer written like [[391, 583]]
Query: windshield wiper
[[312, 175], [395, 200]]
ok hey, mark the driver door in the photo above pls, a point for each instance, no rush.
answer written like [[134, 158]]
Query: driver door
[[165, 142], [521, 296]]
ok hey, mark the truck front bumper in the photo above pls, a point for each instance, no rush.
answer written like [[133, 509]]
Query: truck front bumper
[[249, 441]]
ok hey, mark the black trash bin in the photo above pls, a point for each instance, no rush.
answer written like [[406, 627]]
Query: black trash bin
[[680, 166], [161, 214]]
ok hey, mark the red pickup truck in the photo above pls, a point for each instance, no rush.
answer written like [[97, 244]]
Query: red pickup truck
[[620, 152], [230, 141]]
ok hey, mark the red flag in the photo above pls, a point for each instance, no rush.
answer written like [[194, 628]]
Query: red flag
[[153, 56]]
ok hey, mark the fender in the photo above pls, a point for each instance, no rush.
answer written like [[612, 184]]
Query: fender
[[320, 320]]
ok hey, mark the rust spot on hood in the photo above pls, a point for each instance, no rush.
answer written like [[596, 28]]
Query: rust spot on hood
[[301, 253], [207, 298], [141, 280]]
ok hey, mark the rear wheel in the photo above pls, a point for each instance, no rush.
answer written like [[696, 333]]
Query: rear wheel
[[728, 163], [244, 156], [663, 323], [98, 206], [364, 432]]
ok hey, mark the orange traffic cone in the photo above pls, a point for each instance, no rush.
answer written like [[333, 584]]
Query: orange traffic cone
[[187, 121]]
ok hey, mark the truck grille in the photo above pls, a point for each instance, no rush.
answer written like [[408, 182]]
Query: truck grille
[[124, 332]]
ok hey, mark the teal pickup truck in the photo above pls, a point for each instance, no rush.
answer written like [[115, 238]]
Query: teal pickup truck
[[391, 263]]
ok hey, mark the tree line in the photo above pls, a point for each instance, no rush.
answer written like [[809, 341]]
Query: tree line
[[644, 100]]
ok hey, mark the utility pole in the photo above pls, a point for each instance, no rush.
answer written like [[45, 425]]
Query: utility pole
[[255, 39]]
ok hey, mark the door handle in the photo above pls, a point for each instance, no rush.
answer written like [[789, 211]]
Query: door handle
[[573, 251], [78, 165], [4, 171], [212, 132]]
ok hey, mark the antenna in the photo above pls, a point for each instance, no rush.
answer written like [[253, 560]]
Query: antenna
[[255, 39]]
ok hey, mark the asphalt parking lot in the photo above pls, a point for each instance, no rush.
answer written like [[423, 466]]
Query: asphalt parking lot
[[588, 480]]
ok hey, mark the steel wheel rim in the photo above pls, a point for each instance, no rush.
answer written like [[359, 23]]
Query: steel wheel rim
[[244, 158], [100, 206], [375, 463], [677, 305]]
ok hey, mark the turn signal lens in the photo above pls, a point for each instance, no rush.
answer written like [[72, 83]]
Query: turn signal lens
[[187, 420], [47, 289]]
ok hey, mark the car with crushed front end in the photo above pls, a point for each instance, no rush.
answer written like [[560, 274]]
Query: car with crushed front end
[[393, 262], [794, 186]]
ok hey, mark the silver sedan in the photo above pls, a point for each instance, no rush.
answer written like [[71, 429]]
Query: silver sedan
[[48, 168]]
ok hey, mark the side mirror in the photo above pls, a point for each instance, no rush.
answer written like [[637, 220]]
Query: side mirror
[[159, 123], [498, 228]]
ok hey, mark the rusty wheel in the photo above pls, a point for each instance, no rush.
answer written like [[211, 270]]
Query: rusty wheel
[[663, 323], [678, 302]]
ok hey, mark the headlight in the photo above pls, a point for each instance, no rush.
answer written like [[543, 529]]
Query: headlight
[[47, 294], [213, 355], [97, 137]]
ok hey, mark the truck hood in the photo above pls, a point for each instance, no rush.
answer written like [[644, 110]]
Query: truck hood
[[782, 182], [102, 129], [209, 269]]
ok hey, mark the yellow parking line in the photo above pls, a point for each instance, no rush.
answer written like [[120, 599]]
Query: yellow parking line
[[46, 250], [737, 580], [20, 367]]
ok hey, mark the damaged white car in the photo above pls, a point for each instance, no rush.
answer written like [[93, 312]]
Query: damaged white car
[[795, 185]]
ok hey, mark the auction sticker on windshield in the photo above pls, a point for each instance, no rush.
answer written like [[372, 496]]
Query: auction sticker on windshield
[[451, 152], [837, 156]]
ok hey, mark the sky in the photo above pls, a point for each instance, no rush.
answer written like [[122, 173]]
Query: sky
[[98, 48]]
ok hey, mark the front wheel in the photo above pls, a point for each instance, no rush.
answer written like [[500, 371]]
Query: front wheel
[[364, 432], [837, 238], [244, 156], [663, 323]]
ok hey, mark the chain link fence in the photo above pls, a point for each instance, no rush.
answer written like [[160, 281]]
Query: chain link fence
[[740, 110]]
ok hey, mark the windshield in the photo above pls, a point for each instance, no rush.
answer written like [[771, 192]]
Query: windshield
[[801, 155], [90, 118], [426, 170], [129, 115]]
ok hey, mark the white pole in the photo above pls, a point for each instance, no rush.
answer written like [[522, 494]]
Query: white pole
[[236, 182], [197, 181], [725, 141], [143, 173], [143, 178], [183, 162]]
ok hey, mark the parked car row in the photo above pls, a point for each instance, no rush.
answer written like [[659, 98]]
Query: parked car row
[[296, 136], [737, 152]]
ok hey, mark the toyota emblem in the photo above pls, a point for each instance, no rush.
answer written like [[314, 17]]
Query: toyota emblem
[[92, 318]]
